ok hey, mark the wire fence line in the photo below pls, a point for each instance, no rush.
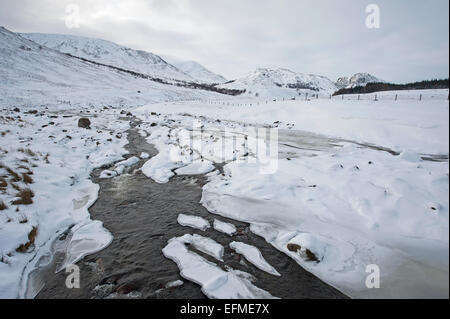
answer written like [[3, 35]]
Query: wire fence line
[[379, 96]]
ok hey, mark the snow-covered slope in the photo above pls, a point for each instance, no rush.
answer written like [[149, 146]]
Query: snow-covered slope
[[109, 53], [196, 71], [282, 82], [32, 74], [358, 79]]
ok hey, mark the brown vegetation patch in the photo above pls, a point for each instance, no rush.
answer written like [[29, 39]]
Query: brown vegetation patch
[[26, 197], [3, 183], [27, 151], [14, 176], [27, 178], [310, 256], [31, 238], [3, 205], [294, 247]]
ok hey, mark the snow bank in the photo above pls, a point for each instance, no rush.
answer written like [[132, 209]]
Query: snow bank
[[420, 126], [352, 208], [59, 156]]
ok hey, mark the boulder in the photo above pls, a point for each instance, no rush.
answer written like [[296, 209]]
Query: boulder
[[84, 123]]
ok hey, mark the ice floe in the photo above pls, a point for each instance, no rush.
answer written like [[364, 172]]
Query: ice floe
[[215, 282], [193, 221], [254, 256], [223, 227]]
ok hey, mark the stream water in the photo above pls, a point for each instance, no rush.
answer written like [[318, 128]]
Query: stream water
[[142, 216]]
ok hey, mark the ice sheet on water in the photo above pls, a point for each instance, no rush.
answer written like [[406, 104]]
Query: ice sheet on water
[[215, 282], [204, 244], [193, 221], [254, 256], [196, 168], [224, 227], [86, 239]]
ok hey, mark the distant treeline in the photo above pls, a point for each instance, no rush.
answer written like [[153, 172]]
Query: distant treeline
[[378, 87]]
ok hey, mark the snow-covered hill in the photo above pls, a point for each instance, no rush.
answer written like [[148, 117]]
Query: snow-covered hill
[[109, 53], [282, 82], [358, 79], [32, 74], [196, 71]]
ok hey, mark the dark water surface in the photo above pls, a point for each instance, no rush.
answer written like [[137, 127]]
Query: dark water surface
[[142, 216]]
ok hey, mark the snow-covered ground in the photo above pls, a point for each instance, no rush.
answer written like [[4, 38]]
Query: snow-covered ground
[[420, 126], [49, 157], [33, 75], [333, 205], [350, 187]]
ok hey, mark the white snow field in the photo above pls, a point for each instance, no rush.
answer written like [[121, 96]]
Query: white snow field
[[357, 195], [34, 75], [420, 126], [110, 53]]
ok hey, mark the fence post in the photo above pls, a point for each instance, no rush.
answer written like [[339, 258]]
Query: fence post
[[396, 97], [359, 97], [420, 97], [306, 97], [342, 97]]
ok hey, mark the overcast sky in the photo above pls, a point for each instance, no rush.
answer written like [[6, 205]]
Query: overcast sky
[[233, 37]]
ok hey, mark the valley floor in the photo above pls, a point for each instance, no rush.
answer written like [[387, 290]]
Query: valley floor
[[346, 185]]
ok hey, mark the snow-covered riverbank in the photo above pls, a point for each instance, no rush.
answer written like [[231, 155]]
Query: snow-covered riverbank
[[47, 156], [347, 205]]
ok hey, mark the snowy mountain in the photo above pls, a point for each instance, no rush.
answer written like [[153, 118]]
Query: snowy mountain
[[282, 82], [109, 53], [196, 71], [33, 74], [358, 79]]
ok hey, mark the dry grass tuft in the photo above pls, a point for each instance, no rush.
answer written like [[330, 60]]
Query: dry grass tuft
[[3, 183], [27, 178], [3, 206], [311, 256], [14, 176], [15, 186], [26, 197], [23, 219], [31, 238], [27, 151]]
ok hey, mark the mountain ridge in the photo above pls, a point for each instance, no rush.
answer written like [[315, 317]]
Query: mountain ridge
[[282, 82], [110, 53]]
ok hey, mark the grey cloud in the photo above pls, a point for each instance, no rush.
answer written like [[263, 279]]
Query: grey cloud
[[232, 37]]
